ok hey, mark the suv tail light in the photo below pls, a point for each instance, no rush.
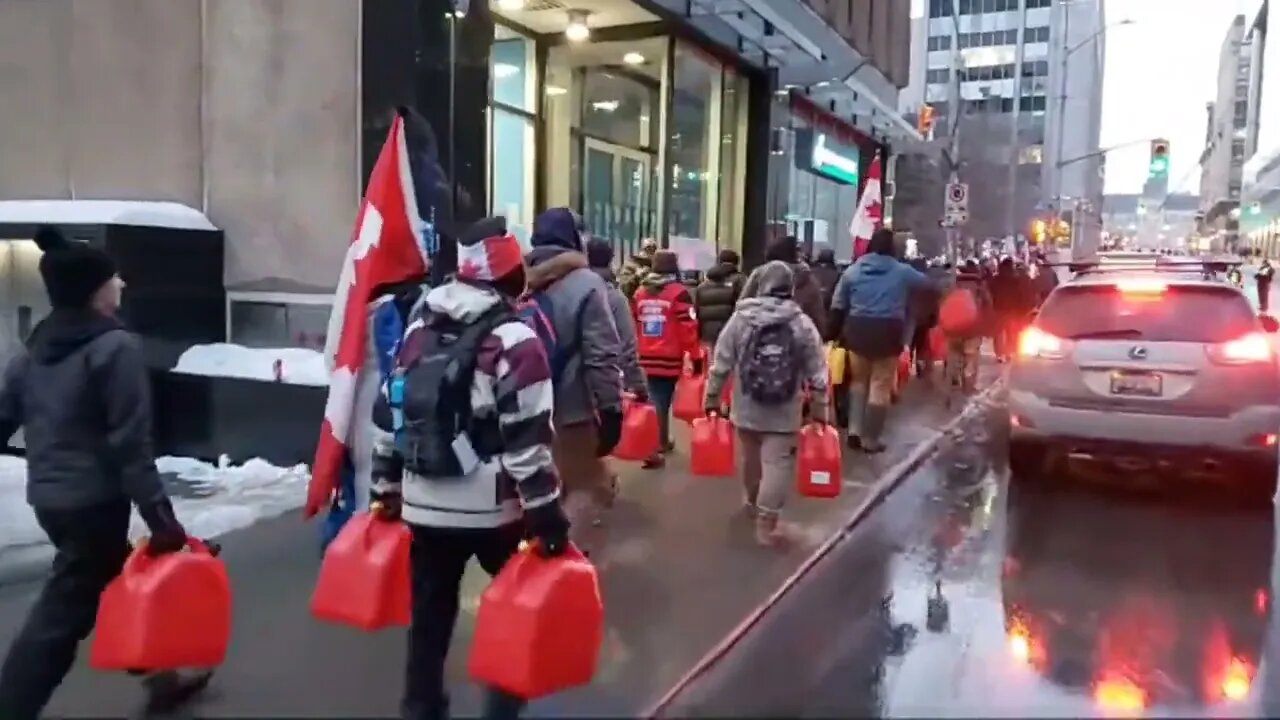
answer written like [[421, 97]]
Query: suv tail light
[[1254, 347], [1036, 343]]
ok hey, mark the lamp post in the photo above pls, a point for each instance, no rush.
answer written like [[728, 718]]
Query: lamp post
[[1067, 52]]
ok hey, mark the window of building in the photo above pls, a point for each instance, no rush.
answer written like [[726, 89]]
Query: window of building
[[939, 8], [1035, 68], [511, 130], [938, 75], [692, 151], [261, 321], [1037, 34], [1010, 37], [940, 42], [1034, 103], [1032, 4]]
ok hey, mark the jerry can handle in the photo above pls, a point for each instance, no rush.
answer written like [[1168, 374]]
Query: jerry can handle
[[140, 559]]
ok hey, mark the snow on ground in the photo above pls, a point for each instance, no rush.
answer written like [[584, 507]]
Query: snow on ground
[[299, 366], [209, 500]]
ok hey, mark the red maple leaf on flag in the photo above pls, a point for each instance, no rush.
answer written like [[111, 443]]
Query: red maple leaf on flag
[[385, 248], [869, 216]]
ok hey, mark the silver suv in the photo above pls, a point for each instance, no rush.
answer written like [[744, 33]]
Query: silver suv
[[1162, 371]]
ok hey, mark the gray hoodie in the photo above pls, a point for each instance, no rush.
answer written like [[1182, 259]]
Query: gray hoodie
[[752, 314]]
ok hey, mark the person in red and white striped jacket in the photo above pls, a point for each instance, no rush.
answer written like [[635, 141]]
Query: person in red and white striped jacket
[[464, 452]]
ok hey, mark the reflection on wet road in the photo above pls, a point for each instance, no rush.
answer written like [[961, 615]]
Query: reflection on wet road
[[963, 597]]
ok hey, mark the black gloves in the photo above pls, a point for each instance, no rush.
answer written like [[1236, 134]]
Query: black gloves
[[697, 365], [384, 494], [641, 394], [548, 524], [609, 430], [167, 534]]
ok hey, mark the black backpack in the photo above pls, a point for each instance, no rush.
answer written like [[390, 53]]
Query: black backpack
[[770, 367], [431, 389]]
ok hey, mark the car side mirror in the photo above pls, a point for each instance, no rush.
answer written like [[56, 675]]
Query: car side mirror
[[1269, 323]]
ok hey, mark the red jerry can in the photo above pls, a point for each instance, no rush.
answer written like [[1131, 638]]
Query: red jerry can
[[639, 438], [364, 578], [539, 626], [819, 472], [164, 613], [937, 343], [712, 452], [691, 390], [958, 313]]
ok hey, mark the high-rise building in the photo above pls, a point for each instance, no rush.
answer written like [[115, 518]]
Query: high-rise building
[[1231, 137], [994, 71]]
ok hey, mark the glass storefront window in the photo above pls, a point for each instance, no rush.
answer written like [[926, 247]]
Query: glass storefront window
[[693, 147], [733, 161], [511, 131], [602, 114]]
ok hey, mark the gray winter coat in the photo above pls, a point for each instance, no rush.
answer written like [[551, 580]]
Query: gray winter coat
[[592, 375], [632, 376], [751, 315], [80, 392]]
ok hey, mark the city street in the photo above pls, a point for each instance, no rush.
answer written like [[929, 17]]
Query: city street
[[963, 597], [679, 571]]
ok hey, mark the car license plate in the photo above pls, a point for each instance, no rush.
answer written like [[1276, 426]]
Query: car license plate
[[1140, 384]]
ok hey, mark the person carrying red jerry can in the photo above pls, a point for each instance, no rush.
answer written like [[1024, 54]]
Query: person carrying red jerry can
[[774, 350], [668, 332], [464, 455], [79, 390]]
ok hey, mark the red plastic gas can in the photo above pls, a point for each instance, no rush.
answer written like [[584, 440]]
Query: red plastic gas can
[[819, 472], [364, 579], [164, 613], [539, 626], [690, 391], [639, 438], [712, 452]]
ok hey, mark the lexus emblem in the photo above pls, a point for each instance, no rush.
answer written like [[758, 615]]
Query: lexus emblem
[[1137, 352]]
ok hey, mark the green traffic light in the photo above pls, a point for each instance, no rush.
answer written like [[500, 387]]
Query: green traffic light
[[1159, 166]]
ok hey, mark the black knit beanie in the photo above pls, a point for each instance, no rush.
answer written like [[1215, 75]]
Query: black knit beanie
[[72, 271]]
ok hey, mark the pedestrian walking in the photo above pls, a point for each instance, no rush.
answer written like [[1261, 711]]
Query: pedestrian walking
[[600, 260], [1011, 298], [807, 293], [637, 268], [586, 362], [464, 458], [1266, 273], [80, 391], [668, 329], [826, 274], [715, 296], [963, 351], [775, 352], [868, 314]]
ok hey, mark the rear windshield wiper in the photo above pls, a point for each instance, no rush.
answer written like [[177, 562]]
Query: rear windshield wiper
[[1126, 333]]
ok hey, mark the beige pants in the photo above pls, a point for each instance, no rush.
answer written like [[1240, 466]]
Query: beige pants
[[768, 468], [584, 478], [962, 362], [877, 376]]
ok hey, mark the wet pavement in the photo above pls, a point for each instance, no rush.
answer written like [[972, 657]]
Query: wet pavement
[[963, 597], [679, 570]]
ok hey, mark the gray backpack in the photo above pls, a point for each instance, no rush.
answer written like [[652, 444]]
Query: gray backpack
[[770, 366]]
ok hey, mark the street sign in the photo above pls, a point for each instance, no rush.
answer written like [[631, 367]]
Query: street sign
[[955, 218], [957, 197]]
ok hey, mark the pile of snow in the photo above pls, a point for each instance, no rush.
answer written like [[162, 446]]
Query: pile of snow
[[229, 498], [299, 366]]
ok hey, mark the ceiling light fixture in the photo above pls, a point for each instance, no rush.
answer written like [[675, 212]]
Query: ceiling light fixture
[[605, 105], [556, 90], [577, 29], [633, 58], [511, 5]]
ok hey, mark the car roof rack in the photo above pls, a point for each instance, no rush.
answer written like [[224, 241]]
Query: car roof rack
[[1157, 263]]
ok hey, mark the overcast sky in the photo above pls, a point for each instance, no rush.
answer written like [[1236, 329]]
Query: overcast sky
[[1160, 73]]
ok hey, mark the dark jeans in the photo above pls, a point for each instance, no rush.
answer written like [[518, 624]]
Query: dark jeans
[[91, 545], [439, 557], [1264, 296], [662, 390]]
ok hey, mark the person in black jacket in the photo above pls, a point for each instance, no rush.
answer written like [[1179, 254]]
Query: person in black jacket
[[827, 274], [715, 297], [80, 391]]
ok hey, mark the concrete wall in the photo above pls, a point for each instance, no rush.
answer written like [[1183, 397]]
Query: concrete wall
[[246, 109]]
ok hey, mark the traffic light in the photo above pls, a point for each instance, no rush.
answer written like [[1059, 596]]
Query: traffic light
[[1159, 166], [924, 123]]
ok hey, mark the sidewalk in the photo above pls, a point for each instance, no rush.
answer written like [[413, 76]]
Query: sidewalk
[[679, 571]]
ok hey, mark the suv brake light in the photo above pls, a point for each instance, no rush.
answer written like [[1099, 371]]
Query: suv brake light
[[1254, 347], [1035, 342], [1142, 286]]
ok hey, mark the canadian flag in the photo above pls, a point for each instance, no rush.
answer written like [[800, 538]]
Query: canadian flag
[[869, 216], [385, 248]]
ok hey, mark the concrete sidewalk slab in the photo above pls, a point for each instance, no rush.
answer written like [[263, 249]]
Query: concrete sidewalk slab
[[679, 570]]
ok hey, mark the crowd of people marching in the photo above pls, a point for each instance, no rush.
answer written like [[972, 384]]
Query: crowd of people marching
[[499, 395]]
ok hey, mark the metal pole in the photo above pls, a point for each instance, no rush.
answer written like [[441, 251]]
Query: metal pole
[[1062, 104]]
